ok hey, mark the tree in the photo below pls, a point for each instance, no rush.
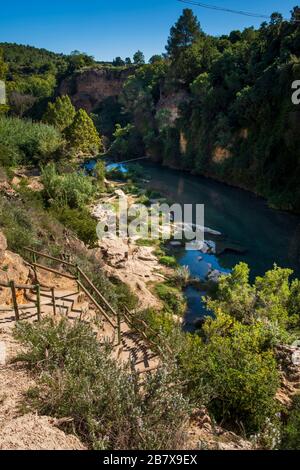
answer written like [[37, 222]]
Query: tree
[[238, 371], [118, 62], [99, 173], [272, 299], [82, 134], [295, 14], [60, 113], [139, 58], [156, 58], [78, 60], [128, 61], [185, 32]]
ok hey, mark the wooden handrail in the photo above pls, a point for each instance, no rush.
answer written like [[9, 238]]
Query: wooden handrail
[[51, 270], [18, 286], [97, 291], [155, 333], [44, 255], [96, 304], [81, 274]]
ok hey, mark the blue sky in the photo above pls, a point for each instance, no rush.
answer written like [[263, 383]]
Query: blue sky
[[107, 28]]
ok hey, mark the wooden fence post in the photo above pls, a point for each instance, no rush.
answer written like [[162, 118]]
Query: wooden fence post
[[119, 327], [78, 278], [38, 301], [53, 301], [14, 299], [34, 267]]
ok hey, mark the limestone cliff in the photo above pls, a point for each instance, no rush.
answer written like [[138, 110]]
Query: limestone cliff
[[89, 88]]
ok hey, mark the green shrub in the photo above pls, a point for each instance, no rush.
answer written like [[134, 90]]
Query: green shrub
[[99, 173], [233, 362], [272, 298], [71, 189], [82, 134], [172, 298], [29, 141], [168, 261], [79, 221], [9, 157], [125, 295], [17, 226], [161, 322], [146, 242], [291, 429], [77, 377], [181, 276], [61, 113]]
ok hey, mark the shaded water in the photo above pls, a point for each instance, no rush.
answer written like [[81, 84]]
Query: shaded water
[[263, 236], [245, 220]]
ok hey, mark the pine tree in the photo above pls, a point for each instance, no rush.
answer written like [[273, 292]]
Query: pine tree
[[185, 32], [139, 58], [60, 113], [82, 134]]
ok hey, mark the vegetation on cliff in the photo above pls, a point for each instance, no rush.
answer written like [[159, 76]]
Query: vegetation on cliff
[[222, 106]]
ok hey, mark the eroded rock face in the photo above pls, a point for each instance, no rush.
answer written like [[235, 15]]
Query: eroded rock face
[[3, 246], [171, 103], [32, 432], [203, 434], [12, 268], [289, 366], [88, 89]]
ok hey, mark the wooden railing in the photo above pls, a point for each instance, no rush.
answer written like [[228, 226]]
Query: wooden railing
[[36, 288], [84, 284], [90, 290], [145, 331]]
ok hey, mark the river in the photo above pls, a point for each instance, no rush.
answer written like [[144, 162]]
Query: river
[[262, 236]]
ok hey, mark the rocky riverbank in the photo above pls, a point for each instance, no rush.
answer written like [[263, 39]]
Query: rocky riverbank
[[125, 259]]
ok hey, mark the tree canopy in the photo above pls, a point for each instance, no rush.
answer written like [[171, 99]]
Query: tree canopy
[[139, 58], [82, 134], [183, 34], [60, 113]]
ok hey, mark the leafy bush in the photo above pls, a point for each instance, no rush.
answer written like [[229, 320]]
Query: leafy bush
[[79, 221], [78, 378], [99, 173], [146, 242], [181, 276], [28, 140], [60, 114], [9, 157], [172, 298], [291, 429], [71, 189], [35, 85], [17, 226], [234, 362], [82, 134], [168, 261], [272, 299]]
